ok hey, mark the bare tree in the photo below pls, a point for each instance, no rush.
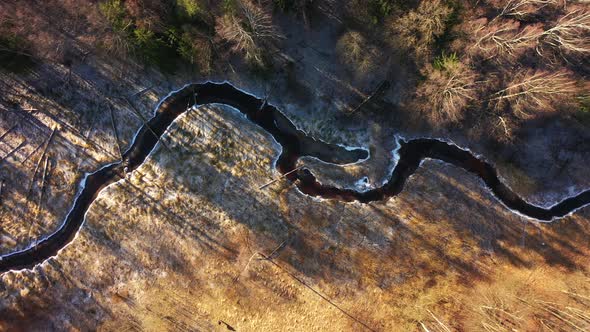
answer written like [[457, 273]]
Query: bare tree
[[445, 94], [524, 8], [504, 38], [571, 33], [508, 38], [417, 29], [248, 30], [358, 54], [538, 91]]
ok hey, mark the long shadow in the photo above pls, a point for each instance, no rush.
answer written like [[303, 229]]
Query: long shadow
[[295, 144], [293, 141], [503, 234]]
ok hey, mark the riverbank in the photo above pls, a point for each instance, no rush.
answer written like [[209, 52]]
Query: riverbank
[[180, 243]]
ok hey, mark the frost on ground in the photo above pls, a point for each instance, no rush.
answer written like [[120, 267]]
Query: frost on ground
[[189, 240]]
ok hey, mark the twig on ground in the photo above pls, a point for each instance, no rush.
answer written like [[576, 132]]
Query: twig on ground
[[424, 327], [442, 325], [277, 179]]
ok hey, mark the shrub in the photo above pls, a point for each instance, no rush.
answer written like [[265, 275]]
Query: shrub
[[356, 52], [446, 62], [115, 13], [417, 30], [147, 45], [445, 94], [378, 10], [188, 8], [193, 48], [248, 30], [229, 7], [372, 13], [119, 41], [533, 92]]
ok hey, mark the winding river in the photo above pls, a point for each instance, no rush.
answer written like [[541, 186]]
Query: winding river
[[295, 144]]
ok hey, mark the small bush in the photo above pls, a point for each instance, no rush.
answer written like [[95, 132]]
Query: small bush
[[446, 62], [372, 13], [358, 54], [148, 47], [446, 94], [418, 30], [196, 50], [283, 5], [189, 8], [115, 13], [249, 30], [379, 10]]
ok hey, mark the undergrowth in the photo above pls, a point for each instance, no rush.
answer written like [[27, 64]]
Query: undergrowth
[[183, 38]]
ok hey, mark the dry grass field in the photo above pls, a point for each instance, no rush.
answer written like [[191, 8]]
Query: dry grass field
[[189, 242]]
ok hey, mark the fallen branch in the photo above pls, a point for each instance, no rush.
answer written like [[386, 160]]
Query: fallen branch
[[8, 131], [39, 202], [91, 126], [144, 121], [40, 160], [503, 123], [115, 131], [32, 152], [424, 327], [274, 253], [554, 310], [13, 150], [442, 325], [266, 97], [380, 88], [277, 179], [576, 295], [293, 276], [140, 92], [246, 267]]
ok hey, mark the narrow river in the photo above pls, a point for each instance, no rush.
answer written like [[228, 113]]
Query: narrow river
[[295, 144]]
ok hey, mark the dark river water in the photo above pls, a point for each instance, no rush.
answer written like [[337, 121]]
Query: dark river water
[[295, 144]]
